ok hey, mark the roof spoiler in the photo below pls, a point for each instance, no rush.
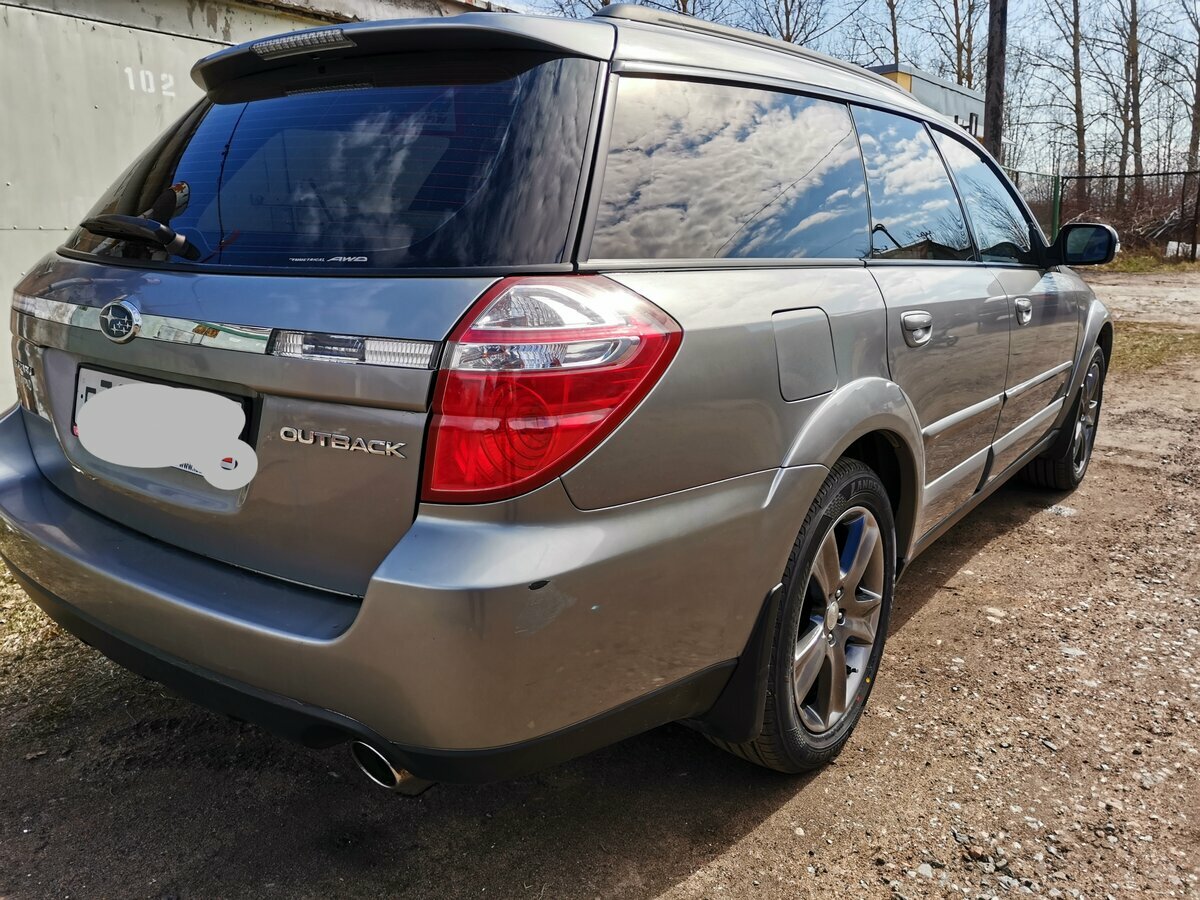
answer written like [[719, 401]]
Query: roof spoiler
[[470, 31]]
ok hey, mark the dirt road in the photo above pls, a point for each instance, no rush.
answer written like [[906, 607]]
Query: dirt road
[[1034, 731]]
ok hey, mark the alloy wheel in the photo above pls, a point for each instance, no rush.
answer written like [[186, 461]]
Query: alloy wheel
[[1085, 423], [840, 619]]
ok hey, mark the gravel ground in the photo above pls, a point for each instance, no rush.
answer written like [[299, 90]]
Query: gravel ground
[[1159, 297], [1034, 731]]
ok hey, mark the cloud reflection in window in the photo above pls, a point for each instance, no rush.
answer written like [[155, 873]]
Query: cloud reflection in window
[[1001, 229], [916, 213], [701, 171]]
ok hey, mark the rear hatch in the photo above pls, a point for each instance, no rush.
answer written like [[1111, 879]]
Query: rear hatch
[[340, 216]]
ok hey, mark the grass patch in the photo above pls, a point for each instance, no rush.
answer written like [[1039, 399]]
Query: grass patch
[[1147, 264], [1141, 346]]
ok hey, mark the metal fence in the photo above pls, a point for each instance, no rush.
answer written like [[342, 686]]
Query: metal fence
[[1157, 212], [1042, 193]]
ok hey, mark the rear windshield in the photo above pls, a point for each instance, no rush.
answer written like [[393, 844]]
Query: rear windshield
[[419, 162]]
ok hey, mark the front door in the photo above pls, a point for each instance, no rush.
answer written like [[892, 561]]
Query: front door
[[1045, 304], [1044, 335]]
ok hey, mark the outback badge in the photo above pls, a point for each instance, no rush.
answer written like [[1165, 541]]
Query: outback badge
[[341, 441]]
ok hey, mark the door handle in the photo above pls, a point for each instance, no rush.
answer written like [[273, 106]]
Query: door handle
[[1024, 310], [918, 327]]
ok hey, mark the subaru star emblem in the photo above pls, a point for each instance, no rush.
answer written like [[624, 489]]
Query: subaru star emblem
[[120, 321]]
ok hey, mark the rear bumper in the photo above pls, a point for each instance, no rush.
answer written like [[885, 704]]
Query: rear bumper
[[317, 727], [492, 640]]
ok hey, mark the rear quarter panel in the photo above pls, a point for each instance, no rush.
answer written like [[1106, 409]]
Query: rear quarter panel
[[719, 411]]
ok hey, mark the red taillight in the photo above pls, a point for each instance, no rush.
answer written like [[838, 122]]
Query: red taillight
[[538, 373]]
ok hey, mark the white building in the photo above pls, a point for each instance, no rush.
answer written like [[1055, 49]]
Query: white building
[[962, 104]]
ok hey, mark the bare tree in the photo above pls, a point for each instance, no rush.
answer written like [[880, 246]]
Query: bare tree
[[1096, 86], [893, 22], [712, 10], [813, 23], [1177, 74], [875, 36], [1021, 111], [1116, 57], [1060, 73], [570, 9], [574, 9], [1192, 42], [796, 21], [1070, 25], [1133, 71], [953, 27]]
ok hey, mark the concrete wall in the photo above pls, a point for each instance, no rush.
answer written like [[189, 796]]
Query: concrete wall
[[86, 85]]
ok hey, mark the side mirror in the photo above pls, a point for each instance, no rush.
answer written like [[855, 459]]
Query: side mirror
[[1085, 244]]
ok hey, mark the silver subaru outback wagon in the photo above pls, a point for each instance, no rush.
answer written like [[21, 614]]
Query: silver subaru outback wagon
[[498, 387]]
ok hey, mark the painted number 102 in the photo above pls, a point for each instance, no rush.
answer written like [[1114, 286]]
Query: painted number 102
[[150, 82]]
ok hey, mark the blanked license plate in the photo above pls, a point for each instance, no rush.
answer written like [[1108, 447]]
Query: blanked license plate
[[92, 382]]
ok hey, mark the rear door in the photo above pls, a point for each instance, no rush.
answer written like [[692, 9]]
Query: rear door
[[343, 218], [1045, 304], [947, 315]]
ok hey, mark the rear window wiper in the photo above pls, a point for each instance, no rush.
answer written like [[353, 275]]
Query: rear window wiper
[[137, 228]]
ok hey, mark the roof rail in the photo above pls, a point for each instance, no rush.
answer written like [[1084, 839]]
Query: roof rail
[[633, 12]]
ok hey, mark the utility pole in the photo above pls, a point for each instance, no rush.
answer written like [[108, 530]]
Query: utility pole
[[993, 97]]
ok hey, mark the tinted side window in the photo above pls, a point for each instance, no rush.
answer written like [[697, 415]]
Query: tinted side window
[[706, 171], [1001, 229], [915, 210]]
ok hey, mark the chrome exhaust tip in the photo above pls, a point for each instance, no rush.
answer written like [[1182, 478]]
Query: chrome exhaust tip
[[380, 770]]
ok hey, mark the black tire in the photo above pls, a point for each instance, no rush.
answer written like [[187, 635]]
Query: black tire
[[1062, 467], [787, 743]]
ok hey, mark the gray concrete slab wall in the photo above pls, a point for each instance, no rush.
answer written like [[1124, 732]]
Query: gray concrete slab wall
[[86, 85]]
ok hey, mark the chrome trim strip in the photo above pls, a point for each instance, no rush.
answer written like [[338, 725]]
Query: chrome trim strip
[[194, 332], [242, 338], [940, 485], [1030, 424], [921, 544], [949, 491], [1033, 382], [963, 415]]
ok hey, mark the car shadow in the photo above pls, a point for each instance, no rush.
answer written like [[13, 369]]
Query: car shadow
[[154, 792], [1011, 506]]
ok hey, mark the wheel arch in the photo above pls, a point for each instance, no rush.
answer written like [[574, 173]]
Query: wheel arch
[[890, 459], [871, 420], [1105, 340], [1097, 330]]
